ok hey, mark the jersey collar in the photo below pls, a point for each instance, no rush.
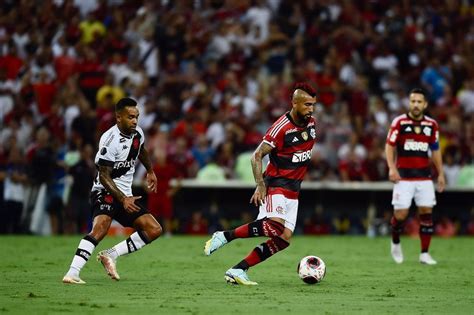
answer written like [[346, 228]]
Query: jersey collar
[[294, 122]]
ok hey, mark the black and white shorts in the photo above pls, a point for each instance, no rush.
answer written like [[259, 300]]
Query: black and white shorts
[[104, 203]]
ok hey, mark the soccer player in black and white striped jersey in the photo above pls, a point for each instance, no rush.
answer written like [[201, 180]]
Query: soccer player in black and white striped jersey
[[111, 196]]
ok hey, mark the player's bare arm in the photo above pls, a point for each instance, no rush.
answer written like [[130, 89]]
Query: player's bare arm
[[393, 174], [151, 179], [258, 196], [105, 177], [438, 162]]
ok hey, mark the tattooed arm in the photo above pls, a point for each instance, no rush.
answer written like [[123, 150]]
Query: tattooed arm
[[258, 196], [105, 177], [150, 174]]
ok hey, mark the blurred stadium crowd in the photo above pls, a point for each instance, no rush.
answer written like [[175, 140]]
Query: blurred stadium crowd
[[210, 77]]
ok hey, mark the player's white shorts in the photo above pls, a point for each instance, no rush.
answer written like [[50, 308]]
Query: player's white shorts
[[420, 190], [278, 206]]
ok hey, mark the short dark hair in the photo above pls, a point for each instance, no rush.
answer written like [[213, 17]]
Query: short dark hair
[[125, 102], [305, 87], [418, 90]]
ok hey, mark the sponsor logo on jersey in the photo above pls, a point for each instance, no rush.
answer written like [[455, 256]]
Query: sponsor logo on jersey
[[427, 131], [408, 129], [411, 145], [301, 156], [124, 164], [295, 139], [417, 130], [304, 135], [313, 133]]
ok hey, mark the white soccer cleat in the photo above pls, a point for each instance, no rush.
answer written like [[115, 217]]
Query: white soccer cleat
[[217, 241], [238, 276], [109, 264], [73, 280], [425, 258], [397, 253]]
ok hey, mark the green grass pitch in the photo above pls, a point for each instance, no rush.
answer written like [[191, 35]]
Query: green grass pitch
[[172, 276]]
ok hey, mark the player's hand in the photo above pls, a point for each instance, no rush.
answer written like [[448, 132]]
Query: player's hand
[[129, 204], [441, 183], [151, 181], [394, 176], [258, 197]]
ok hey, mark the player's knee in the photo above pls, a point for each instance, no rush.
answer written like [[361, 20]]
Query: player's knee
[[400, 215], [286, 235], [154, 231]]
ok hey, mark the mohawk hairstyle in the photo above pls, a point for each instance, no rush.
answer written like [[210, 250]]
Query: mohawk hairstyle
[[305, 87], [125, 102]]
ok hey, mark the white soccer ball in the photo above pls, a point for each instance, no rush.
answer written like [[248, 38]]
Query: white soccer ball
[[311, 269]]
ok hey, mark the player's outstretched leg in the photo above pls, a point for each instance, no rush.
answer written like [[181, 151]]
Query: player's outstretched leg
[[262, 227], [83, 252]]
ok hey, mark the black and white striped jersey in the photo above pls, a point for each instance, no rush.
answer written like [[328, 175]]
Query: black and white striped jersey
[[119, 151]]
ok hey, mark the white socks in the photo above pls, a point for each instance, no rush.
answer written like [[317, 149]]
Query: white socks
[[84, 251]]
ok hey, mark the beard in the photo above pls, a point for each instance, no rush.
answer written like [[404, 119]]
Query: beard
[[304, 118]]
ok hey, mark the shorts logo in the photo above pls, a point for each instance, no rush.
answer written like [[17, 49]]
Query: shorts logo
[[103, 151], [105, 207], [109, 199], [280, 210]]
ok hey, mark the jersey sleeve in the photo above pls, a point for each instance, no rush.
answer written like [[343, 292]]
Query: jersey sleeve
[[142, 135], [274, 136], [393, 133], [106, 155], [434, 140]]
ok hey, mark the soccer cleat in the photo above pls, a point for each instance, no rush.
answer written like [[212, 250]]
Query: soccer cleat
[[109, 264], [425, 258], [217, 241], [73, 280], [238, 276], [397, 254]]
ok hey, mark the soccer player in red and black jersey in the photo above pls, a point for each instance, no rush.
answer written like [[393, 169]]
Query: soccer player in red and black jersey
[[289, 142], [412, 136]]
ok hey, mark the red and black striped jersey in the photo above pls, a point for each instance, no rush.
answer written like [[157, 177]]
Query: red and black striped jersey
[[290, 157], [413, 140]]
